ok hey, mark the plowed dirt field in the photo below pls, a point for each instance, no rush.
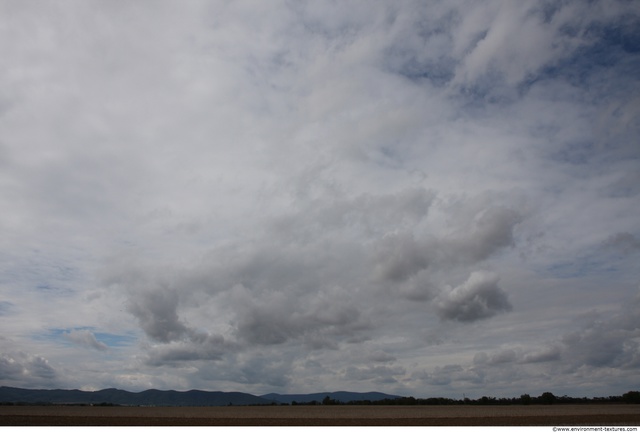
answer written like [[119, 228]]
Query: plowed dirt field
[[574, 415]]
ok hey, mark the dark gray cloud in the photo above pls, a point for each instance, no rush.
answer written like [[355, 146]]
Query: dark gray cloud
[[156, 311], [479, 297], [10, 368], [20, 366]]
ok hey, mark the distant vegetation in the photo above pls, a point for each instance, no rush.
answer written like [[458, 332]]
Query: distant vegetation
[[546, 398]]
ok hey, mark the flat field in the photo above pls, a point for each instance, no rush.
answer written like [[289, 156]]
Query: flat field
[[591, 415]]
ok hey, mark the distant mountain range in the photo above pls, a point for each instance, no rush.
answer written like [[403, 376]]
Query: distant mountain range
[[154, 397]]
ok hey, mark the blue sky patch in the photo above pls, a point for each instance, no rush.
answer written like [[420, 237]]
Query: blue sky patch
[[111, 340]]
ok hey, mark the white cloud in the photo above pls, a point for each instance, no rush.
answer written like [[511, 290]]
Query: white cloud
[[86, 338]]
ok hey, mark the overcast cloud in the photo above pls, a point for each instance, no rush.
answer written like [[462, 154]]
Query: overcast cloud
[[416, 197]]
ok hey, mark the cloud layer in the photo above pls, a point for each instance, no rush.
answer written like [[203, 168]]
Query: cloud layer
[[418, 198]]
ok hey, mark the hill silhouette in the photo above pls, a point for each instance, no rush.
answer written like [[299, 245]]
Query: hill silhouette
[[150, 397], [155, 397]]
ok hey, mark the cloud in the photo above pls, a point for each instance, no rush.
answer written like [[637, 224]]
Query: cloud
[[625, 243], [200, 347], [260, 369], [324, 319], [365, 214], [502, 357], [380, 356], [399, 257], [449, 374], [579, 358], [20, 366], [514, 43], [86, 338], [511, 356], [511, 31], [5, 307], [157, 313], [607, 341], [379, 374], [546, 354], [478, 298], [487, 232], [316, 195]]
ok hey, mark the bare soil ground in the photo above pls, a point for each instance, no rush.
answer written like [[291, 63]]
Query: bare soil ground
[[591, 415]]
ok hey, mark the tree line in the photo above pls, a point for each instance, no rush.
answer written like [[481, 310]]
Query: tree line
[[546, 398]]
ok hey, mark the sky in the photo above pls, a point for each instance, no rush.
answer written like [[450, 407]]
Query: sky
[[423, 198]]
